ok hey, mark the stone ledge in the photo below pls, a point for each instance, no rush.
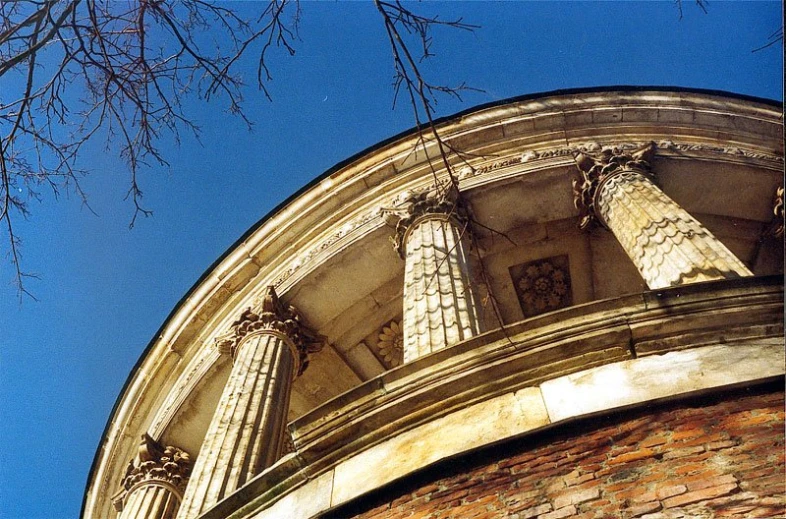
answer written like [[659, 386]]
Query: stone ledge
[[514, 415]]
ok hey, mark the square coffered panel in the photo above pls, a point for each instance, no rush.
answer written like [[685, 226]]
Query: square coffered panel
[[543, 285]]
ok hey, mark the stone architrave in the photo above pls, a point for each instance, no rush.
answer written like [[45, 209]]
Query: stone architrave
[[668, 246], [154, 482], [440, 307], [269, 346]]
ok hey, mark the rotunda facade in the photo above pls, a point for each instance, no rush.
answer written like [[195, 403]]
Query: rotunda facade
[[568, 305]]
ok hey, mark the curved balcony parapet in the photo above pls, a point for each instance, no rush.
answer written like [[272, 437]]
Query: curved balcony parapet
[[537, 373]]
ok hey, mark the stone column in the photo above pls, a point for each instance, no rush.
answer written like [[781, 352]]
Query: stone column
[[440, 308], [154, 482], [667, 245], [269, 346]]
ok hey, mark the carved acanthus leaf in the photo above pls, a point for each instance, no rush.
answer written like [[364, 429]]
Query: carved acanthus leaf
[[411, 207], [776, 227], [595, 168], [271, 314], [155, 462]]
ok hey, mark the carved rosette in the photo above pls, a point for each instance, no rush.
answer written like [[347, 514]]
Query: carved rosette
[[598, 168], [154, 463], [270, 315], [415, 207], [391, 344], [544, 285]]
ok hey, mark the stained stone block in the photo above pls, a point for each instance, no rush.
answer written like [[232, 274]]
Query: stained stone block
[[308, 500]]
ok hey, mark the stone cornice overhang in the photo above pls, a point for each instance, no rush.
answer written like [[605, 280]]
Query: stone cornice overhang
[[523, 355], [222, 287]]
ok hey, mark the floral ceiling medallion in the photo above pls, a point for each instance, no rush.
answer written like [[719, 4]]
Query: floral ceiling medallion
[[543, 286]]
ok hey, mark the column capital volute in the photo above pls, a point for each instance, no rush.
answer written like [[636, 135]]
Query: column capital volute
[[410, 208], [167, 466], [596, 169], [778, 222], [270, 316]]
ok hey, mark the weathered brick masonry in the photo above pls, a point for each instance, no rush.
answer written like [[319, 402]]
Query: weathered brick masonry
[[712, 457]]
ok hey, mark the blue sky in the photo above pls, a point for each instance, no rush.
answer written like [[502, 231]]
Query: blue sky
[[105, 290]]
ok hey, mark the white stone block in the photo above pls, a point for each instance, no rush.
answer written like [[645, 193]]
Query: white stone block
[[659, 376], [306, 501]]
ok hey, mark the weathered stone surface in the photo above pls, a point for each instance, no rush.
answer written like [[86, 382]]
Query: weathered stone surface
[[154, 482], [306, 501], [526, 478], [246, 433], [151, 502], [440, 303], [328, 251], [480, 424]]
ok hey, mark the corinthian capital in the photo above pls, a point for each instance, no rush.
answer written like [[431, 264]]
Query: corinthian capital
[[414, 206], [269, 314], [166, 465], [595, 168]]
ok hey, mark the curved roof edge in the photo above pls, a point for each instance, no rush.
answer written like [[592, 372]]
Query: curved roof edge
[[411, 131]]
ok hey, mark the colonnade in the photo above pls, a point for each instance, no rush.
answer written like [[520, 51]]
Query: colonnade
[[270, 344]]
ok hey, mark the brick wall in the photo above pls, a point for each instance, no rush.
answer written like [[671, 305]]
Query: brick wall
[[699, 459]]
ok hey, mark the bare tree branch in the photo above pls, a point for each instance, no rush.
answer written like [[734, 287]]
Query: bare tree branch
[[423, 98], [773, 39], [134, 63], [701, 4]]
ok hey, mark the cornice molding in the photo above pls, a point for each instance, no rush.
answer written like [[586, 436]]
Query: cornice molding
[[372, 219], [665, 147], [526, 356]]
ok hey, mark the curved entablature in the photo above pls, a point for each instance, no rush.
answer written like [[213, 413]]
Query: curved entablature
[[328, 251]]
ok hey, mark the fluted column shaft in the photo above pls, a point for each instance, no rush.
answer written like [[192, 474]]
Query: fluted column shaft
[[270, 347], [151, 501], [432, 237], [439, 306], [666, 244], [246, 433]]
